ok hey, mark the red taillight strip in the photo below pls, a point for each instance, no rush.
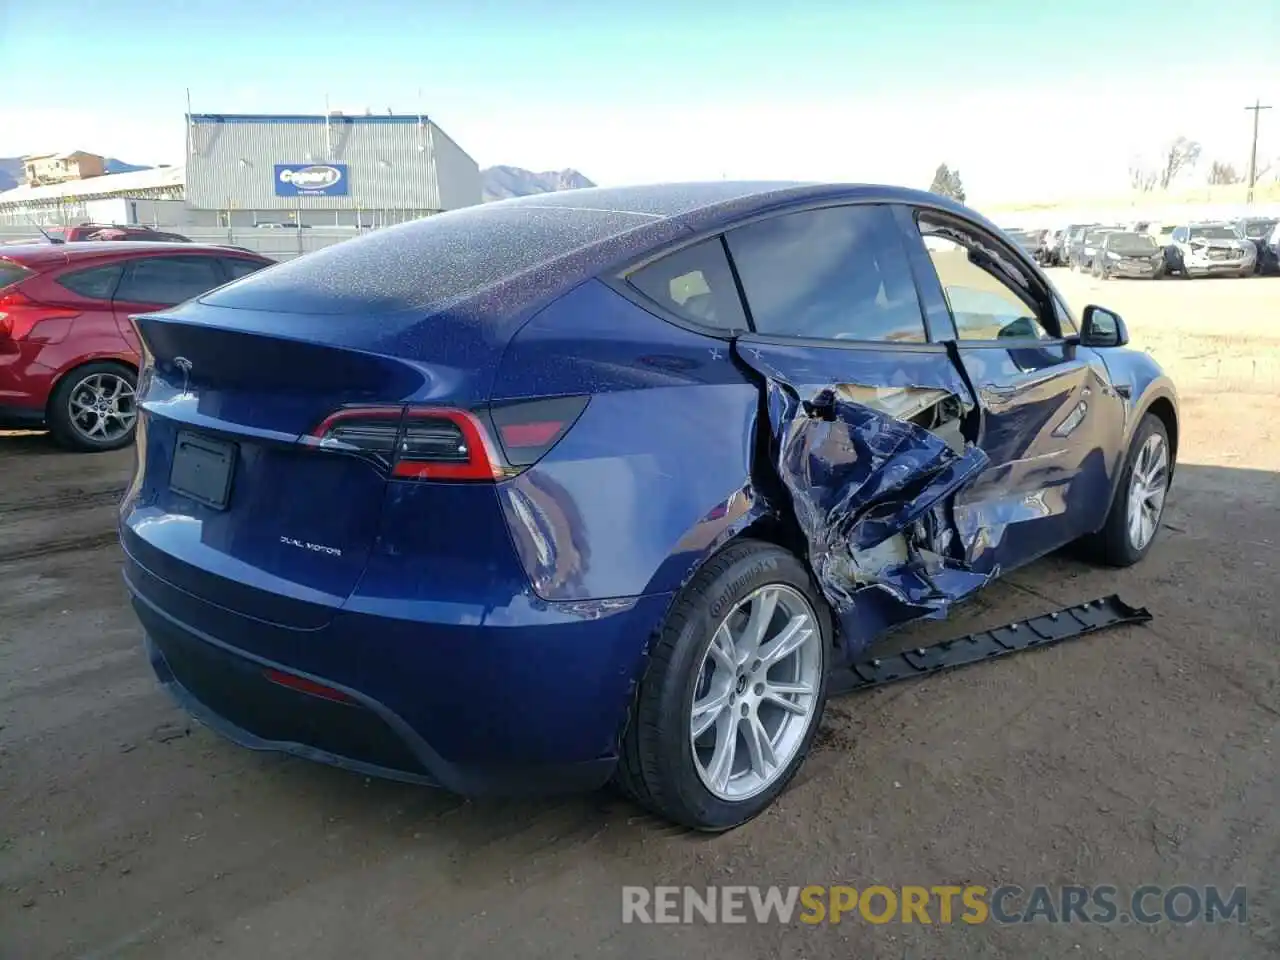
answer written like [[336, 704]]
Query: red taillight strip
[[537, 434], [303, 685], [483, 462]]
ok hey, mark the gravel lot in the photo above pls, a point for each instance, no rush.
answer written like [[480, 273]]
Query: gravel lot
[[1142, 755]]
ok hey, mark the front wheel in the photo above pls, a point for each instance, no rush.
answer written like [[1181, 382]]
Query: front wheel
[[734, 691], [1135, 515]]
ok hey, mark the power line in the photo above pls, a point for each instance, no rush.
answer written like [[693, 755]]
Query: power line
[[1257, 109]]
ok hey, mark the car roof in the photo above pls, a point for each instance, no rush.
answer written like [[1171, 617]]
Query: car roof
[[502, 256], [43, 253]]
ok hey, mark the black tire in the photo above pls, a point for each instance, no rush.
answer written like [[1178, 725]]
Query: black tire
[[656, 766], [1112, 545], [58, 414]]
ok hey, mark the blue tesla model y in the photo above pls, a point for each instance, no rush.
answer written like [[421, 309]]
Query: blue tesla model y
[[605, 485]]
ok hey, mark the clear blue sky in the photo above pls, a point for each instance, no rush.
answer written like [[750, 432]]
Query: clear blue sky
[[669, 90]]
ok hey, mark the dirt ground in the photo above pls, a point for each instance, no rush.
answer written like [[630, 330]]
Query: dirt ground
[[1144, 755]]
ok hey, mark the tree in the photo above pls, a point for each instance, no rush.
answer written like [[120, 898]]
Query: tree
[[1220, 173], [946, 182], [1142, 178], [1181, 154]]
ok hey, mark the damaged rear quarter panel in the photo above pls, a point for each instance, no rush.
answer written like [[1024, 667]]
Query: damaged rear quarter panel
[[654, 475]]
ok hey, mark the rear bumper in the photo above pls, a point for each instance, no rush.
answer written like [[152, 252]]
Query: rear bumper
[[503, 738]]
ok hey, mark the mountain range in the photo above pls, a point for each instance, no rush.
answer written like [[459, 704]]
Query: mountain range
[[497, 183], [502, 182]]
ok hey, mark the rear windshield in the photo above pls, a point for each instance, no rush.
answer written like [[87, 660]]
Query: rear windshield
[[11, 273], [426, 264], [1131, 243]]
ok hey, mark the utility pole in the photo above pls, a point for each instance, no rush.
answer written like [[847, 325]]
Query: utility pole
[[1257, 108]]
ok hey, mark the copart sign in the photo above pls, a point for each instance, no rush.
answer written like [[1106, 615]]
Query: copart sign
[[311, 180]]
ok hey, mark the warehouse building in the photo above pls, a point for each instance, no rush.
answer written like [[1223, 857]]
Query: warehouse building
[[325, 170], [254, 170], [140, 196]]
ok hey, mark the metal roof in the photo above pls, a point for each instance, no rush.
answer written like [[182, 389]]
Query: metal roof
[[106, 185], [309, 118]]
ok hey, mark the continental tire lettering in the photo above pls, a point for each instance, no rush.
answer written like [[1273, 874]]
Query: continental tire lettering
[[739, 585]]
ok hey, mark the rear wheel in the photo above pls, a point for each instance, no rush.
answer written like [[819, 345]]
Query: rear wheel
[[734, 691], [93, 407]]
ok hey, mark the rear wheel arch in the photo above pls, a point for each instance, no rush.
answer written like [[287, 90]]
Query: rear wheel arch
[[59, 425], [129, 365], [777, 528]]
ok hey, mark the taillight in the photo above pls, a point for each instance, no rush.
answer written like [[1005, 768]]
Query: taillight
[[527, 429], [20, 315], [444, 444], [447, 443]]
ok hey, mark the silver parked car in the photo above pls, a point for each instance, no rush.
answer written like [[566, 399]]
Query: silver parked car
[[1128, 254], [1211, 249]]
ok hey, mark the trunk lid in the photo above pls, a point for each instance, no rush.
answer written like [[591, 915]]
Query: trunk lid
[[231, 501]]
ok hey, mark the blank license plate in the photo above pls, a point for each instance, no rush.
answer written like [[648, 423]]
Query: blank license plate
[[202, 469]]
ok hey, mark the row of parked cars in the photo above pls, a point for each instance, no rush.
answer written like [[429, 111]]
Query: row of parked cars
[[1151, 250]]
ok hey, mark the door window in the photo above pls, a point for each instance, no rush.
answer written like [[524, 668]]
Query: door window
[[97, 283], [990, 295], [839, 273], [168, 280], [694, 283], [237, 267]]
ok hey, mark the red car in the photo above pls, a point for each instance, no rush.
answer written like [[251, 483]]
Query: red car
[[100, 231], [68, 352]]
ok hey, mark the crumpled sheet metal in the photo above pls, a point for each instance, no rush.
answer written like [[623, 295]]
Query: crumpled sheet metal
[[872, 495]]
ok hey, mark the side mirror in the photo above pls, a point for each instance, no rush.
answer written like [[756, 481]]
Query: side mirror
[[1102, 328]]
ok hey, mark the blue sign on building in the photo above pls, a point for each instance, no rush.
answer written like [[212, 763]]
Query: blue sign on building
[[311, 180]]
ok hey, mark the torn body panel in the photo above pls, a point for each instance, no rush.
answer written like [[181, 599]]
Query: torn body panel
[[1052, 426], [872, 492]]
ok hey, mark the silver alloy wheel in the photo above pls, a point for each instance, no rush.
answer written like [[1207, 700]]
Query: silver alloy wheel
[[102, 407], [757, 692], [1147, 488]]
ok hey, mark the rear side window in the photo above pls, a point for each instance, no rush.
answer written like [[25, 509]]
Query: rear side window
[[11, 273], [97, 283], [237, 268], [840, 273], [168, 280], [695, 284]]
